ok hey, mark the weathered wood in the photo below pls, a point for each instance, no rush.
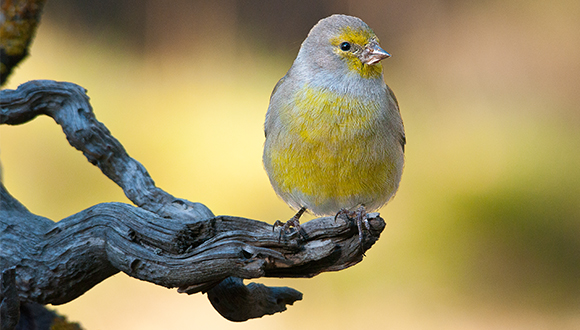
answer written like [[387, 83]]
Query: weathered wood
[[164, 240], [238, 302], [9, 303], [69, 106]]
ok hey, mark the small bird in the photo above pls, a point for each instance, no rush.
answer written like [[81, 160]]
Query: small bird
[[334, 135]]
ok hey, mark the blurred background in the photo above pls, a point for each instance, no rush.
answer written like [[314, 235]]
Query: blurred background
[[485, 230]]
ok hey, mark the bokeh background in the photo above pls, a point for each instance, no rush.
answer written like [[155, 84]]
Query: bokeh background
[[485, 230]]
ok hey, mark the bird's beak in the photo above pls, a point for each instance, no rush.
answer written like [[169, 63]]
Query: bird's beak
[[373, 53]]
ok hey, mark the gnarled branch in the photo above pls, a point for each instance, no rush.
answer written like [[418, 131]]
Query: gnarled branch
[[164, 240]]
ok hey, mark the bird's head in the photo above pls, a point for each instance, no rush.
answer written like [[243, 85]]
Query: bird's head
[[342, 42]]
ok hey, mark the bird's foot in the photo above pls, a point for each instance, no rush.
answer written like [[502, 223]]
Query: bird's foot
[[360, 216], [292, 225]]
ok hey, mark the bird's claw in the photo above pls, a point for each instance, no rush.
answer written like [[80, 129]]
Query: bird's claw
[[360, 216], [292, 225]]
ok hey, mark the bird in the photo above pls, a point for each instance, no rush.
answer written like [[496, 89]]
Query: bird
[[335, 138]]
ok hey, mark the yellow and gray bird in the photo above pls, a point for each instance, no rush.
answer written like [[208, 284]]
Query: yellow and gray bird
[[334, 134]]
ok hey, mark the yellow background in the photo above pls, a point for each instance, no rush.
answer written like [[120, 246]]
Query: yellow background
[[485, 230]]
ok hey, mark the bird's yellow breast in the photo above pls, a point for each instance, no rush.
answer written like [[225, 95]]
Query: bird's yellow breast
[[330, 152]]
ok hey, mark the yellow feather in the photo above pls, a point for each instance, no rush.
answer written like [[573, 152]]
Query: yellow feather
[[330, 152], [359, 37]]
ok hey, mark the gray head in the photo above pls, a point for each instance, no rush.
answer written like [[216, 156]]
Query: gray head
[[342, 44]]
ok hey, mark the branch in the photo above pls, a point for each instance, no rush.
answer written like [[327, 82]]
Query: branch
[[9, 304], [237, 302], [167, 241], [69, 106], [18, 22]]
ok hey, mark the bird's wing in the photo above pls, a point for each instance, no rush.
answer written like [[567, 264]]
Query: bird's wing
[[277, 85], [273, 92], [402, 137]]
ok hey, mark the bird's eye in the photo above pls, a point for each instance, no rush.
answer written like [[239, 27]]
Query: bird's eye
[[345, 46]]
